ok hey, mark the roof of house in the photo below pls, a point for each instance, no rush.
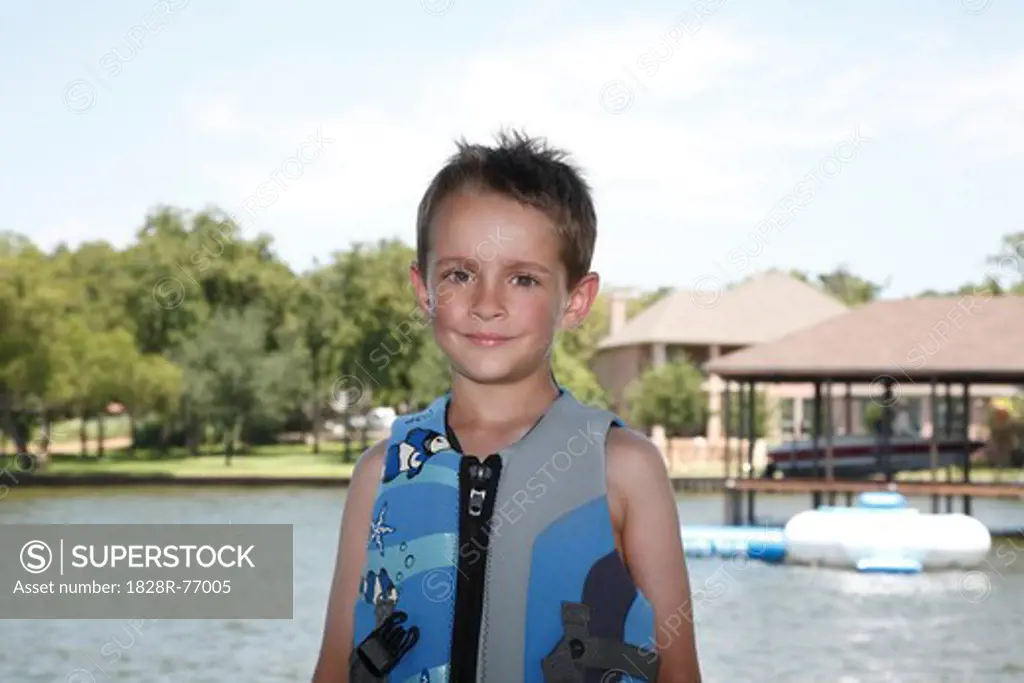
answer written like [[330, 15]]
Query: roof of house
[[971, 338], [764, 307]]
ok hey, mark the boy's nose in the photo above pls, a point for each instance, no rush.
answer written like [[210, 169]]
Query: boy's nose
[[488, 302]]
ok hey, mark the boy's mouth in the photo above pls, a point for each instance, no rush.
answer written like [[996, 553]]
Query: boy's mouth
[[487, 339]]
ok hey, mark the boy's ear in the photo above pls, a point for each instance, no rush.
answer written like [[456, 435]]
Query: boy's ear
[[419, 284], [581, 298]]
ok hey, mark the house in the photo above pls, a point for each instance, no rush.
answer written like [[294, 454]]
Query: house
[[704, 325]]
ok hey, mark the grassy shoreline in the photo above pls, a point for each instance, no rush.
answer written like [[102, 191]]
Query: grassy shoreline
[[289, 461], [274, 461]]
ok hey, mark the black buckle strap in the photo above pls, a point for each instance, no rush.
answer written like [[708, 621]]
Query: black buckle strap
[[579, 651], [381, 651]]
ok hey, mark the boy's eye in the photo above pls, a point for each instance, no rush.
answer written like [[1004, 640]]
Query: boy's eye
[[526, 280], [457, 275]]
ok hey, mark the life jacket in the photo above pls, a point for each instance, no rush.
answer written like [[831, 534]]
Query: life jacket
[[502, 570]]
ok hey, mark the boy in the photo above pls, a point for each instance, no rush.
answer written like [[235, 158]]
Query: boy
[[507, 522]]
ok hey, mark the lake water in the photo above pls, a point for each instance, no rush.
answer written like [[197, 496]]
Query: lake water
[[756, 623]]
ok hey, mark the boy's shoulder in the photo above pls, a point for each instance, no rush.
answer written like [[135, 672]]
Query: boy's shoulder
[[627, 444], [370, 464], [633, 462]]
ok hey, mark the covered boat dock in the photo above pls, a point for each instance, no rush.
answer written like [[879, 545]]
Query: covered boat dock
[[952, 343]]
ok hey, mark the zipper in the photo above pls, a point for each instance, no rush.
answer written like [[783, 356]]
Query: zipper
[[478, 482]]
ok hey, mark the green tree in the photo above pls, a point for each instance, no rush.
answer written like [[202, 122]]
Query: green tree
[[1007, 265], [851, 289], [184, 266], [582, 341], [872, 418], [671, 396], [96, 273], [167, 304], [149, 383], [324, 335], [646, 300], [572, 372], [88, 369], [229, 377], [381, 306], [34, 302], [429, 376], [29, 304]]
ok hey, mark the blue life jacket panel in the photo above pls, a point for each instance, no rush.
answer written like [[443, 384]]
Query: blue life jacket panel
[[550, 558]]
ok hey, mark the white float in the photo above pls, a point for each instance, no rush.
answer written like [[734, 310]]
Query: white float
[[881, 533]]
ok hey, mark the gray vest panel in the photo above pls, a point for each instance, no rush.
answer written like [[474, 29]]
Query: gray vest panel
[[555, 468]]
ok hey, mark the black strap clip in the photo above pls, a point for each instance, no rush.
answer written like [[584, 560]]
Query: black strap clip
[[381, 651], [579, 651]]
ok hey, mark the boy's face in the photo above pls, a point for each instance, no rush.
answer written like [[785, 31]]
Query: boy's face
[[496, 288]]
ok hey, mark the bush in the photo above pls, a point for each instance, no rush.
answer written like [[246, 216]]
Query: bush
[[738, 413], [149, 431], [670, 396], [260, 432]]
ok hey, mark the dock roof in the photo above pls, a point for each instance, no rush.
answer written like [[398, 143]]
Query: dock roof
[[976, 338]]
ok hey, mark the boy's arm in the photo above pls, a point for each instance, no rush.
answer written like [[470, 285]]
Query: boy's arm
[[332, 665], [653, 548]]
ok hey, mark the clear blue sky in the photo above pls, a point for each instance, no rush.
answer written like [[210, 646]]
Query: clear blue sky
[[727, 114]]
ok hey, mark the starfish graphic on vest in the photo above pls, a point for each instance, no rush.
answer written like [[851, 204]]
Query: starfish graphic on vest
[[379, 528]]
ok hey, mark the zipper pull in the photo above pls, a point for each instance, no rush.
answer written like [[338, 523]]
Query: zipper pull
[[476, 502], [479, 475]]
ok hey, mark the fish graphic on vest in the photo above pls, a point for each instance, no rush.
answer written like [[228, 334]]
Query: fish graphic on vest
[[410, 454], [379, 590], [503, 569]]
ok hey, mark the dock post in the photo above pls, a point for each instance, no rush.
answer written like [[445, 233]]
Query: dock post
[[726, 504], [933, 450], [830, 471], [886, 427], [967, 445], [733, 504], [727, 501], [751, 445], [817, 430], [947, 432]]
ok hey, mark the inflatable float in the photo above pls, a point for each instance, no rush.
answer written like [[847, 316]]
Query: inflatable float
[[880, 533], [761, 543]]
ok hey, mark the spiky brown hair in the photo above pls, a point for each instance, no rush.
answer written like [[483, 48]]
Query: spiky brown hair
[[529, 171]]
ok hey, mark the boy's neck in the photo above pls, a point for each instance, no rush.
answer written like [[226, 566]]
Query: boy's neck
[[500, 404]]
